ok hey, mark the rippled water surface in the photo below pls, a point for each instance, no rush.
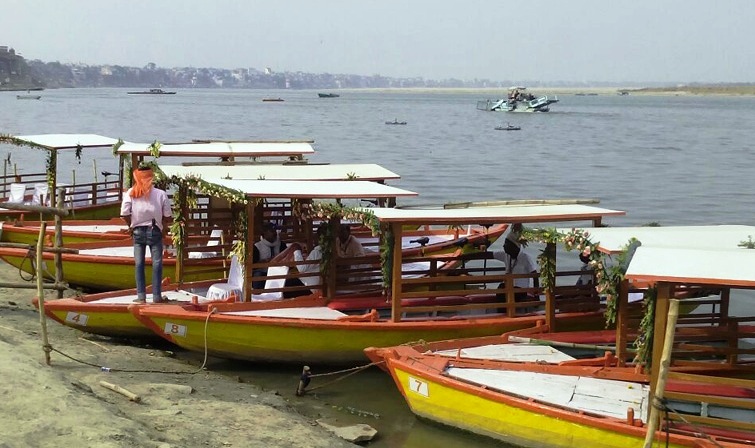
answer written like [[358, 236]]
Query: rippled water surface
[[672, 160]]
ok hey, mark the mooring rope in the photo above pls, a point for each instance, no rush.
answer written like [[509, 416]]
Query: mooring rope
[[662, 405], [50, 348]]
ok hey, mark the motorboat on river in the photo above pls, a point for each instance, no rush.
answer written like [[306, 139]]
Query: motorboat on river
[[518, 100]]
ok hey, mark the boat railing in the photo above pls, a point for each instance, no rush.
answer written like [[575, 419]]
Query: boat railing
[[429, 283]]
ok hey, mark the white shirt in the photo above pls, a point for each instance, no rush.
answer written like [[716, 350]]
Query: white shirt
[[152, 206], [522, 264]]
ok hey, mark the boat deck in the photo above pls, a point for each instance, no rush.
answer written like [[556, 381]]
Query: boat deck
[[609, 398]]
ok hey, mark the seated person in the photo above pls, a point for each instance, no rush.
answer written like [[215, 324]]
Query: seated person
[[314, 256], [265, 249], [348, 245]]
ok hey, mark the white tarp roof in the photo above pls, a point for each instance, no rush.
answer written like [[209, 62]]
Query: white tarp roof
[[222, 149], [371, 172], [614, 239], [726, 267], [502, 214], [313, 189], [69, 141]]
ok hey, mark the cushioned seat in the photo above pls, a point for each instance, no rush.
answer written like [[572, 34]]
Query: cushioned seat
[[234, 285]]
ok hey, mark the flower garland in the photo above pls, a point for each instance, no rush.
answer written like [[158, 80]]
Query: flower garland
[[331, 210], [606, 279]]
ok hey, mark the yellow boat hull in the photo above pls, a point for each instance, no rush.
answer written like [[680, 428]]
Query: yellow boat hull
[[102, 274], [302, 340], [441, 402]]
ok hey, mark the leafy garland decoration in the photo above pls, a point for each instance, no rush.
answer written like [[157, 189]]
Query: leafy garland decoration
[[607, 279], [192, 185], [644, 341], [331, 210], [50, 164]]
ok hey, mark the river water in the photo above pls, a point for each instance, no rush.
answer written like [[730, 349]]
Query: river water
[[673, 160]]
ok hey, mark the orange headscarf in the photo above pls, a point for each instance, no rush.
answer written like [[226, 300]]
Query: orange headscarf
[[143, 178]]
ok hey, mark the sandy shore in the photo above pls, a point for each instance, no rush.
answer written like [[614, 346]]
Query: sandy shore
[[64, 404]]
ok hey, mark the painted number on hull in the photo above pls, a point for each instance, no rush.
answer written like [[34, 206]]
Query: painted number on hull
[[175, 329], [419, 387], [77, 318]]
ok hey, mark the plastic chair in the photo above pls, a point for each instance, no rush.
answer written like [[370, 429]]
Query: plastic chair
[[41, 195], [17, 193], [273, 283], [216, 238], [234, 285]]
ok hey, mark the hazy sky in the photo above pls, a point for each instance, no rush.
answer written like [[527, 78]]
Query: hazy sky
[[546, 40]]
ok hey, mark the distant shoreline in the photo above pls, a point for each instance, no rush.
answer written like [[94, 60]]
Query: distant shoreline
[[701, 90], [748, 90]]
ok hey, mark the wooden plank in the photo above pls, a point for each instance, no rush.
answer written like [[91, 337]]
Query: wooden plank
[[741, 403], [706, 379], [708, 421]]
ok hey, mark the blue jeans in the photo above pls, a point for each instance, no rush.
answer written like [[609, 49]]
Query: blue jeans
[[148, 236]]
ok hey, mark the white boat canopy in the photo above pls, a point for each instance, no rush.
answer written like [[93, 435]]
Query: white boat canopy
[[367, 172], [222, 149], [725, 267], [56, 142], [614, 239], [503, 214], [346, 189]]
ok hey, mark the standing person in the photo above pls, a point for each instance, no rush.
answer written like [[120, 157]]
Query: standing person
[[265, 250], [146, 210]]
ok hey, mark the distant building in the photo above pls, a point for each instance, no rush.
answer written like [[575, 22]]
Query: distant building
[[268, 71]]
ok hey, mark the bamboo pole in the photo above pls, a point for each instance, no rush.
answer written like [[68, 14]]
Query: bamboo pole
[[125, 392], [59, 243], [523, 340], [41, 292], [673, 314]]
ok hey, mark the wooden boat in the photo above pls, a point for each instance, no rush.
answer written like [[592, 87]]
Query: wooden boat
[[396, 122], [77, 231], [88, 200], [328, 95], [539, 396], [151, 92], [28, 97], [508, 127], [109, 265], [74, 231], [229, 152], [419, 308], [272, 100]]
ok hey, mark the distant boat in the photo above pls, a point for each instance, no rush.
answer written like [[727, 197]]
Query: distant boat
[[518, 100], [395, 121], [152, 92], [508, 127], [272, 100], [328, 95], [28, 97]]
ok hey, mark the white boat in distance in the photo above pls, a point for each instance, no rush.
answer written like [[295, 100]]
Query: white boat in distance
[[518, 100]]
